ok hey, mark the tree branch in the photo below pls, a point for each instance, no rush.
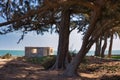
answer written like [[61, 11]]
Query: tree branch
[[30, 13]]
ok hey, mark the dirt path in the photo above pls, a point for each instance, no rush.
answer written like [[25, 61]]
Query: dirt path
[[21, 70]]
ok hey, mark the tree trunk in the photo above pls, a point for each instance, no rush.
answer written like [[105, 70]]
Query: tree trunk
[[97, 48], [100, 44], [110, 46], [63, 45], [71, 69], [88, 41], [104, 47]]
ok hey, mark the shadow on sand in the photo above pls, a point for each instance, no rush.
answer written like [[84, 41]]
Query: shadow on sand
[[19, 69]]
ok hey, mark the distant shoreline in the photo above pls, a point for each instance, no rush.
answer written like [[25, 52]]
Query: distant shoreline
[[19, 53], [13, 52]]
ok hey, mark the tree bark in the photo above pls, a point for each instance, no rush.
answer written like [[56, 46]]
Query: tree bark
[[97, 48], [88, 41], [71, 69], [100, 45], [63, 45], [104, 47], [110, 46]]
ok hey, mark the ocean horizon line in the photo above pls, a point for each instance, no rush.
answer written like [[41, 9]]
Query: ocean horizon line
[[55, 50], [22, 52]]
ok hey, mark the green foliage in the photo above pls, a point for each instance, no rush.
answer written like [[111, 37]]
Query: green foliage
[[48, 62], [36, 60], [116, 57], [72, 52], [45, 61], [6, 56]]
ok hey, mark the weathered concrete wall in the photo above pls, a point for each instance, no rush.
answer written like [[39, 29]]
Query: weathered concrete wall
[[38, 51]]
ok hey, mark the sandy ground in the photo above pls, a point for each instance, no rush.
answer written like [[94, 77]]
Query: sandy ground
[[4, 61], [93, 69]]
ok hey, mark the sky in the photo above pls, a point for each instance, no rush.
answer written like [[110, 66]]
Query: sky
[[9, 41]]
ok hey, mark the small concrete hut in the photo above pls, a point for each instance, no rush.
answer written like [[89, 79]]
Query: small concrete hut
[[38, 51]]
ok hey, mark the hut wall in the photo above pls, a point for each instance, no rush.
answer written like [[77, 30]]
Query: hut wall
[[38, 51]]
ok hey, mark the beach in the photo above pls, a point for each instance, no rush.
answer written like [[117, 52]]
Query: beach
[[19, 69], [5, 61]]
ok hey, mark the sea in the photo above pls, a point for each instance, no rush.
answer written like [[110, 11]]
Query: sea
[[20, 53]]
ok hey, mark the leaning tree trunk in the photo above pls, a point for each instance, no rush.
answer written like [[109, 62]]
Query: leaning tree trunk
[[104, 47], [71, 69], [88, 41], [110, 46], [63, 45]]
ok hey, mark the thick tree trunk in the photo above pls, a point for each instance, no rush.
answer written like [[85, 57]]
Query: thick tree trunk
[[110, 46], [104, 47], [71, 69], [88, 41], [63, 45]]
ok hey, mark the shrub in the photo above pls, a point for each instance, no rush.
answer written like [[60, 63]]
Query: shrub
[[35, 60], [48, 62], [116, 57], [45, 61], [72, 52], [6, 56]]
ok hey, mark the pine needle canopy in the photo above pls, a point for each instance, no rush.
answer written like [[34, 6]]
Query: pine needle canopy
[[41, 15]]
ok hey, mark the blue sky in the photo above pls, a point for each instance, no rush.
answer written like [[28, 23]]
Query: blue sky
[[9, 41]]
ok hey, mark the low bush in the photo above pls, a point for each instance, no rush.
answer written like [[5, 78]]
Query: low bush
[[35, 60], [116, 57], [7, 56], [45, 61], [72, 53], [48, 62]]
